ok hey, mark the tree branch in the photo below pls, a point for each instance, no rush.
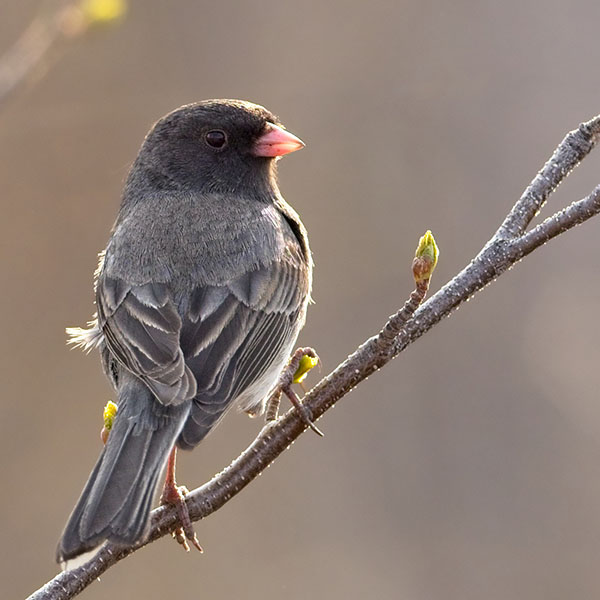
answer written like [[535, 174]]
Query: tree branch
[[571, 151], [508, 245], [62, 22]]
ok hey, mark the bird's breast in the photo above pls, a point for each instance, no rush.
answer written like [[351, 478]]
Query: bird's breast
[[208, 241]]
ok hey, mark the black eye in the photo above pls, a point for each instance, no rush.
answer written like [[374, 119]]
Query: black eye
[[216, 138]]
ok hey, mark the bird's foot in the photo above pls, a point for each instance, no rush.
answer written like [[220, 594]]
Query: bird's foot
[[298, 366], [175, 496]]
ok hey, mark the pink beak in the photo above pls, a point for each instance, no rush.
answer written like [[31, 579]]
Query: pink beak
[[276, 141]]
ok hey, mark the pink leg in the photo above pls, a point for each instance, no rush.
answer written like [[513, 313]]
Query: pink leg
[[175, 496]]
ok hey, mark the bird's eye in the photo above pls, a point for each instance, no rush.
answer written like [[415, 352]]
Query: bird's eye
[[216, 138]]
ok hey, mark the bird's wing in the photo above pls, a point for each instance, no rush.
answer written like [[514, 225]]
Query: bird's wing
[[232, 335], [141, 328]]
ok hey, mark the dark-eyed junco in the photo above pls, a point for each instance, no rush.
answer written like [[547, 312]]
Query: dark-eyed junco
[[200, 295]]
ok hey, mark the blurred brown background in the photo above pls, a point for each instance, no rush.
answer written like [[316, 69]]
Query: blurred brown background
[[469, 467]]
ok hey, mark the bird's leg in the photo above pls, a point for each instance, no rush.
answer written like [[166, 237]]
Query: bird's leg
[[272, 410], [291, 374], [175, 496]]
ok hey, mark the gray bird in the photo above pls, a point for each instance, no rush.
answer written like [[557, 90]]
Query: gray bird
[[200, 295]]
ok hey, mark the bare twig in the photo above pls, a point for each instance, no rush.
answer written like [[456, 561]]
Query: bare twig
[[63, 21], [571, 151], [507, 247]]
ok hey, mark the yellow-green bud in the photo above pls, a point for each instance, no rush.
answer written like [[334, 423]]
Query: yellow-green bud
[[426, 257], [306, 364], [103, 11], [109, 414]]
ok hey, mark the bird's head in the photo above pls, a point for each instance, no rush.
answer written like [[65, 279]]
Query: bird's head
[[215, 145]]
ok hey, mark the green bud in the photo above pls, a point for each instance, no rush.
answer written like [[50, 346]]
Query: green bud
[[109, 414], [306, 364], [426, 257], [103, 11]]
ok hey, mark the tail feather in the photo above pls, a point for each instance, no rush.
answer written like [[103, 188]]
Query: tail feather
[[117, 498]]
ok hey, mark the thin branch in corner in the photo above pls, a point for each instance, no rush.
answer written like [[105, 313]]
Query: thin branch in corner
[[63, 22], [508, 245]]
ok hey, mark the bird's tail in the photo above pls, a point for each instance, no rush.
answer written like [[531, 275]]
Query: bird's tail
[[116, 501]]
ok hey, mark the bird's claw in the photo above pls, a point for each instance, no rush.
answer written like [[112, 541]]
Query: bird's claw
[[297, 404], [284, 386], [175, 496]]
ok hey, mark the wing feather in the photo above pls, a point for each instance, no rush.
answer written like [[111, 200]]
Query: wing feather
[[255, 339], [141, 328]]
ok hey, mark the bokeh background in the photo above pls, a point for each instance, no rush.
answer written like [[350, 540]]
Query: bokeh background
[[466, 469]]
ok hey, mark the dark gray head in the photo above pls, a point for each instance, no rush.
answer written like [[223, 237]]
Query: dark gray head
[[215, 145]]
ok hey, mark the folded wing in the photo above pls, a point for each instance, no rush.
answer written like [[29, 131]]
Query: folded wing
[[239, 335], [142, 328]]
